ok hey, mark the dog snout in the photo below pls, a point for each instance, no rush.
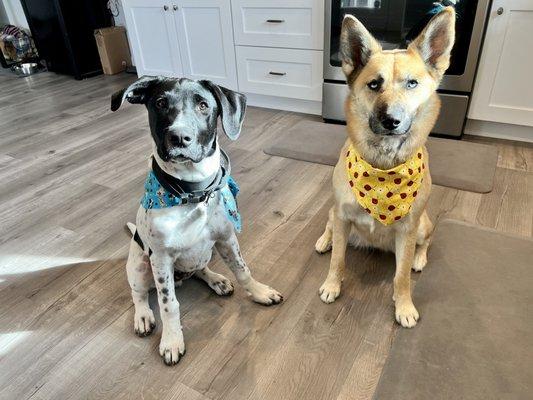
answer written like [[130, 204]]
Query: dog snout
[[180, 139], [390, 122], [391, 117]]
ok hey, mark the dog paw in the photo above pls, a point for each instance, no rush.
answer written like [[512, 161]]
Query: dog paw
[[329, 291], [222, 287], [143, 322], [323, 244], [420, 261], [264, 294], [406, 314], [172, 347]]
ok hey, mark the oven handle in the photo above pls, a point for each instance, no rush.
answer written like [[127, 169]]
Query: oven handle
[[275, 21]]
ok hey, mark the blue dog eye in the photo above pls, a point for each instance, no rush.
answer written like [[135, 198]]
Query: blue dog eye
[[373, 85], [412, 83]]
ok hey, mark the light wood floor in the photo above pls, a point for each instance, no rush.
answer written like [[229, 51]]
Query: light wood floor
[[71, 175]]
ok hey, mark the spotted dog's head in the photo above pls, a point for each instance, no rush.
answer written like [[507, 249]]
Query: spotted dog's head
[[183, 114]]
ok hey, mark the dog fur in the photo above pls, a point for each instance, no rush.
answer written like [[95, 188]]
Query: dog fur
[[178, 241], [391, 108]]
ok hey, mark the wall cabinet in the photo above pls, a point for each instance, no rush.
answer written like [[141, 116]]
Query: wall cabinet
[[182, 38], [503, 91]]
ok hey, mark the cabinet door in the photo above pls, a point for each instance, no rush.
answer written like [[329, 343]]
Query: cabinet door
[[152, 36], [503, 91], [205, 40]]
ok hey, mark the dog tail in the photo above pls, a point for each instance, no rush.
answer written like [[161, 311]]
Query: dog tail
[[131, 227]]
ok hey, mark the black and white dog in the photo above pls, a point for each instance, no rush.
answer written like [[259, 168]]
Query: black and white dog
[[184, 213]]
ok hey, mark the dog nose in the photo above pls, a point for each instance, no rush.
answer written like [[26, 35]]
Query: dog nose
[[390, 123], [179, 140]]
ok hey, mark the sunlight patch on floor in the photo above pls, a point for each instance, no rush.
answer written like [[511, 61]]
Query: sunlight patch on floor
[[11, 339], [26, 263]]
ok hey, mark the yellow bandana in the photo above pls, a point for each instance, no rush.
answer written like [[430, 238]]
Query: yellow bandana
[[387, 195]]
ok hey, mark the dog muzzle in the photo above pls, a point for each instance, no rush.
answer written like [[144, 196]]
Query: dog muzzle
[[387, 195]]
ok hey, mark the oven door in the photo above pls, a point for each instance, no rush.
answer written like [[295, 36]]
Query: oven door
[[396, 22]]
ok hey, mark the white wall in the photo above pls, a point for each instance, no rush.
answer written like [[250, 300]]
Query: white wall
[[3, 16], [15, 13]]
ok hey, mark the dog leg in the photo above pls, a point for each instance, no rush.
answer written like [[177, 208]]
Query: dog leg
[[219, 283], [331, 288], [406, 313], [425, 229], [230, 253], [141, 281], [172, 346], [323, 244]]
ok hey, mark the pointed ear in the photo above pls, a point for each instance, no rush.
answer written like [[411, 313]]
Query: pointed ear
[[136, 93], [435, 42], [356, 46], [231, 108]]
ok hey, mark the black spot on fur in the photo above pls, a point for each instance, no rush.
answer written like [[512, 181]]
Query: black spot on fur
[[165, 299], [161, 279], [164, 291], [166, 309]]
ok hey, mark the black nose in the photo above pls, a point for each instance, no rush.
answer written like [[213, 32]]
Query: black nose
[[178, 140], [390, 123]]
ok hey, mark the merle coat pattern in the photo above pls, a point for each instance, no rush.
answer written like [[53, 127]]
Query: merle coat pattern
[[178, 241]]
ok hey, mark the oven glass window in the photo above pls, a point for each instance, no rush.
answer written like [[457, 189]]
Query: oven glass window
[[395, 23]]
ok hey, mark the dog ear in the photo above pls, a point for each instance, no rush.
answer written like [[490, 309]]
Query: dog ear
[[136, 93], [356, 45], [231, 107], [435, 42]]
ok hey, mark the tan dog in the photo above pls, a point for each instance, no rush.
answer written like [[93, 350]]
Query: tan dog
[[390, 110]]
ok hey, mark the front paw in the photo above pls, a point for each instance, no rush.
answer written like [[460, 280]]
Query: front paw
[[406, 314], [143, 322], [222, 287], [329, 291], [264, 294], [172, 347]]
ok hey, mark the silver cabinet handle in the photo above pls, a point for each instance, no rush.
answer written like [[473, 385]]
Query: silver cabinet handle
[[499, 11], [165, 8], [275, 21], [175, 7], [277, 73]]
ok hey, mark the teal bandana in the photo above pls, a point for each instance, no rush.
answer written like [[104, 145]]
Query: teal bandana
[[155, 196]]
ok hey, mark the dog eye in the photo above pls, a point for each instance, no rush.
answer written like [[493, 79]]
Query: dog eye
[[161, 102], [373, 85], [412, 83], [203, 106]]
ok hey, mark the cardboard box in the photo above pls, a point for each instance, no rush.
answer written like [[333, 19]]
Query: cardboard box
[[113, 49]]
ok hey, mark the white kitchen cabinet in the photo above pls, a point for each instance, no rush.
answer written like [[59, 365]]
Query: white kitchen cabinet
[[182, 38], [205, 40], [280, 72], [152, 36], [503, 90], [297, 24]]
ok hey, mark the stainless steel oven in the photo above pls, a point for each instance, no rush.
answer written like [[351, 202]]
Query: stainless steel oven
[[394, 23]]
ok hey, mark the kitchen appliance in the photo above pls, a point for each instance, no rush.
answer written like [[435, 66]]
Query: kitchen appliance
[[63, 31], [394, 23]]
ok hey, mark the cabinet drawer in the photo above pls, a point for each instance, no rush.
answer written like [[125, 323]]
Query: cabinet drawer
[[280, 72], [296, 24]]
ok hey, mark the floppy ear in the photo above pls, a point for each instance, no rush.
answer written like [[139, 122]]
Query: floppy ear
[[356, 46], [136, 93], [231, 107], [435, 42]]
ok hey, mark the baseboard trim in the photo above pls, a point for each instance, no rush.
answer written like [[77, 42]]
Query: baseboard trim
[[284, 103], [498, 130]]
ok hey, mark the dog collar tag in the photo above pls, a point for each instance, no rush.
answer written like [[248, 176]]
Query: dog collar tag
[[387, 195]]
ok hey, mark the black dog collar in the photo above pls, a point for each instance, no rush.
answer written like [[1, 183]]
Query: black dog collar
[[194, 192]]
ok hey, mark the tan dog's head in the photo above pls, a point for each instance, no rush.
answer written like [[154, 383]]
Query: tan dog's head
[[392, 92]]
